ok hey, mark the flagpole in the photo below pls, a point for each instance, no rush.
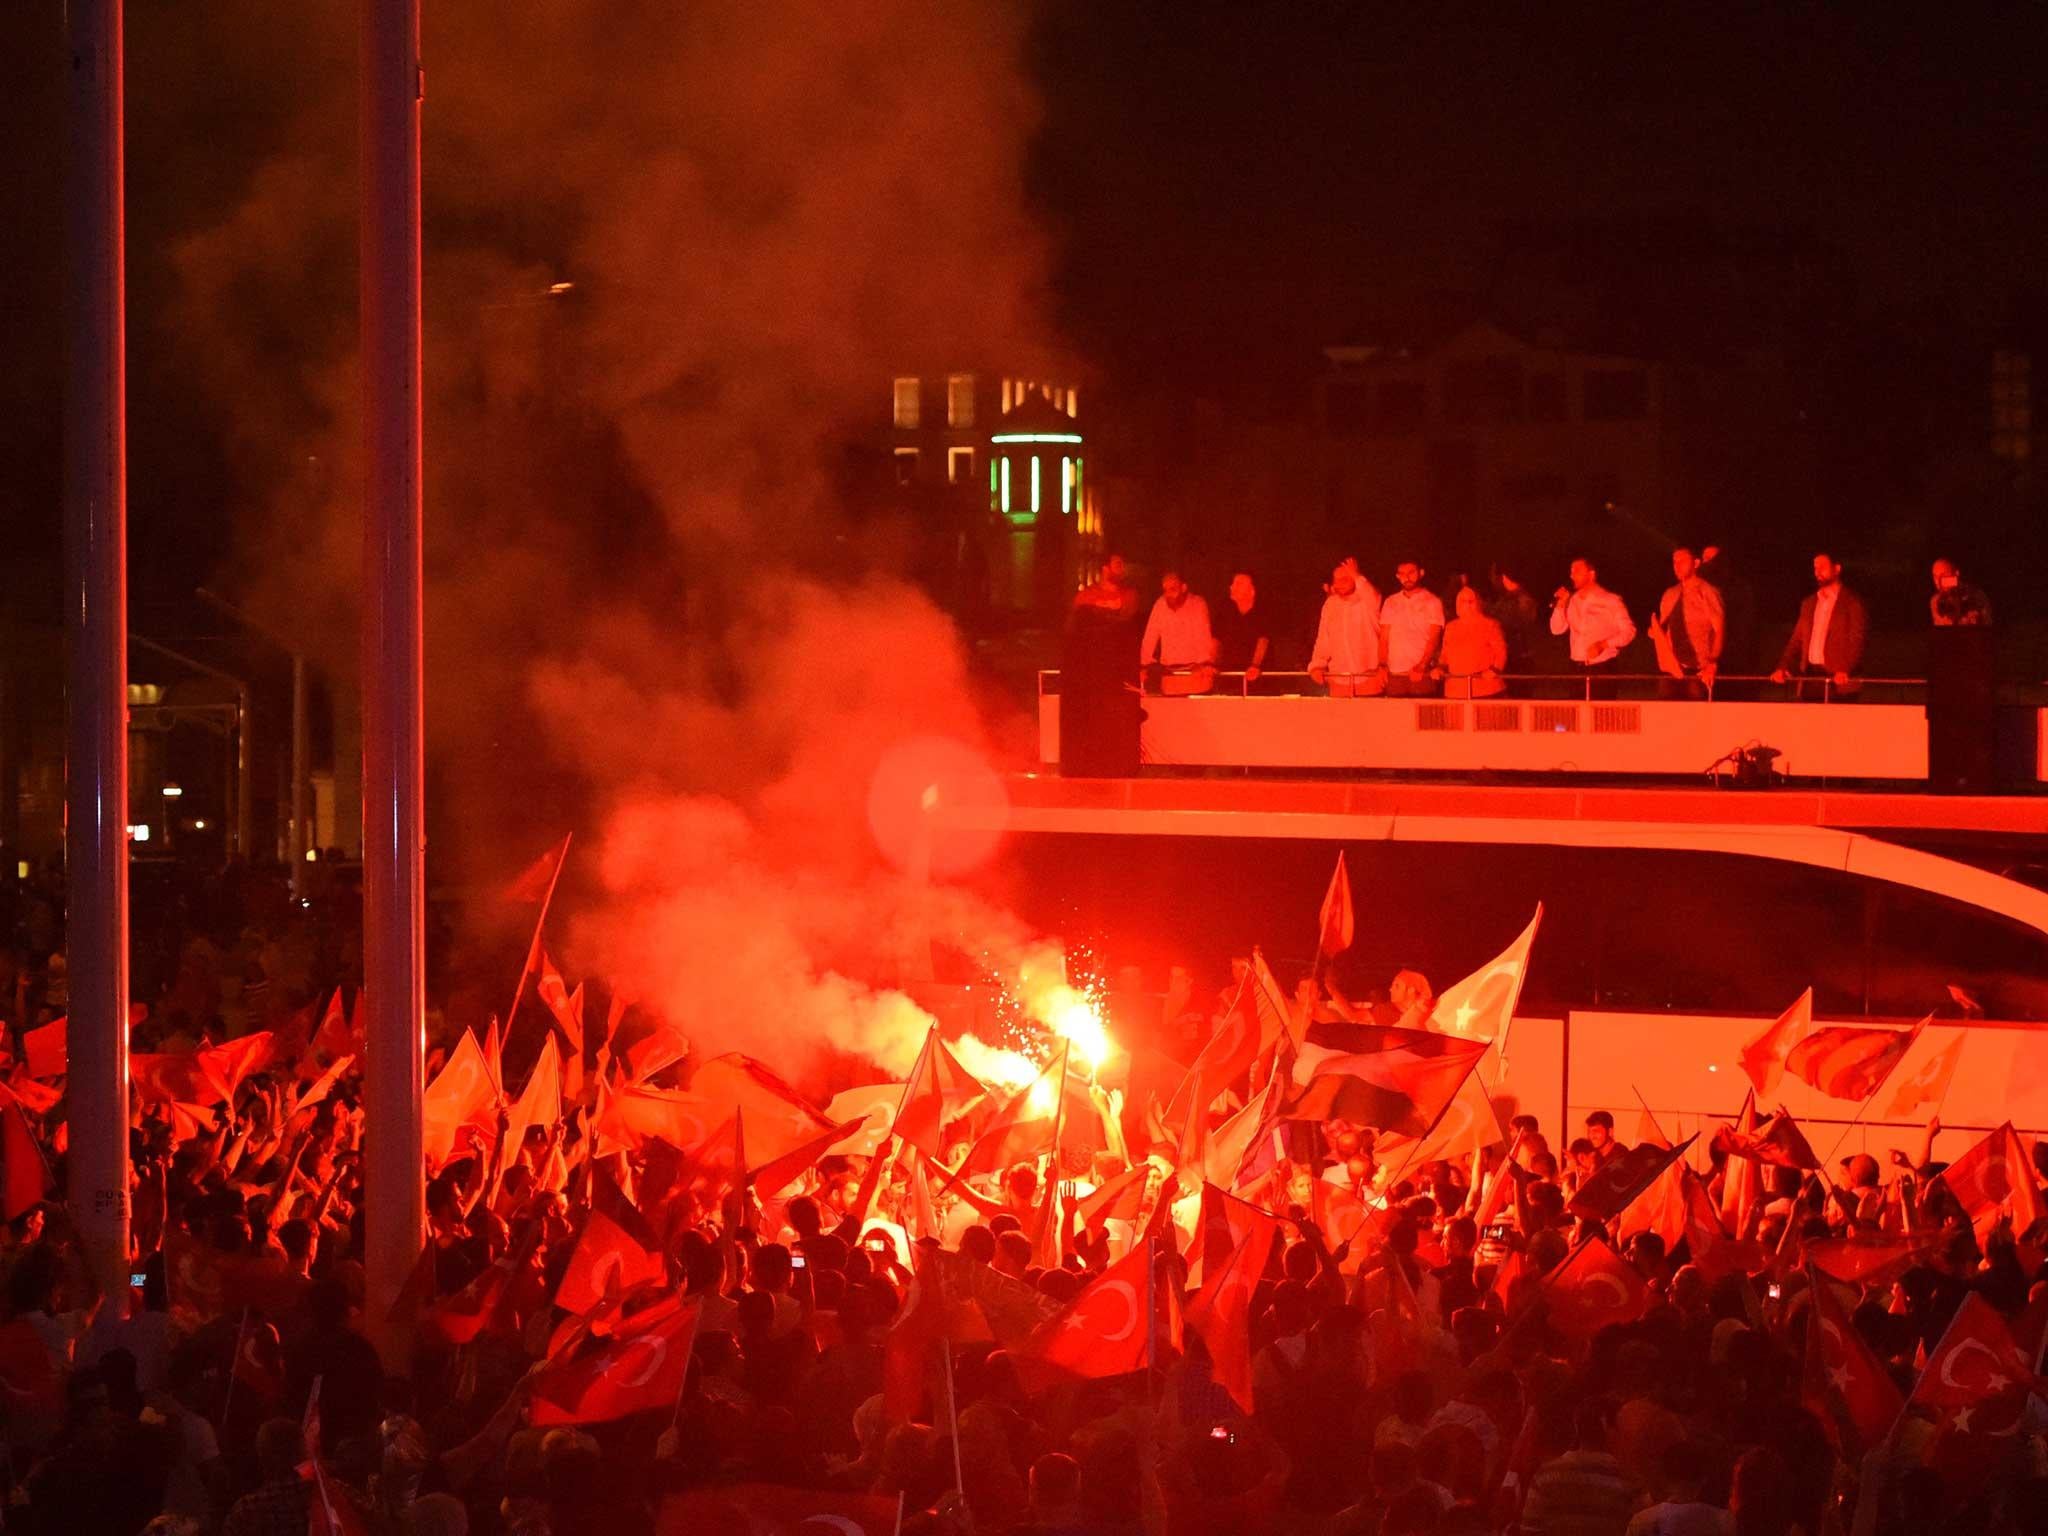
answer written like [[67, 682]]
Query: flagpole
[[241, 1340], [1867, 1101], [952, 1404], [519, 992]]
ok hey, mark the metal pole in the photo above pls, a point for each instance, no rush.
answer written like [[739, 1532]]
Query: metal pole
[[96, 626], [301, 840], [244, 823], [394, 853]]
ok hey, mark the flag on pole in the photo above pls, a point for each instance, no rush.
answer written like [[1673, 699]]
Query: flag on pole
[[1482, 1005], [1103, 1331], [24, 1177], [1847, 1062], [1622, 1178], [1022, 1128], [1924, 1076], [539, 1102], [1336, 920], [1844, 1383], [1222, 1313], [1763, 1058], [938, 1091], [641, 1368], [1780, 1143], [1593, 1289], [1976, 1386]]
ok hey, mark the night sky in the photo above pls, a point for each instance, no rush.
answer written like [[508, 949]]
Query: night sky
[[1230, 187]]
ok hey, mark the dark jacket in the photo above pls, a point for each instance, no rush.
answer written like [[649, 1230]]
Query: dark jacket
[[1847, 631]]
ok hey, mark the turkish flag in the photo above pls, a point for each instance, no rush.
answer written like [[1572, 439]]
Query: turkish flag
[[1992, 1174], [1336, 921], [1119, 1199], [461, 1094], [478, 1305], [531, 885], [1843, 1382], [567, 1009], [1102, 1331], [1240, 1036], [1925, 1074], [768, 1509], [167, 1077], [1712, 1249], [1593, 1289], [239, 1059], [1619, 1180], [539, 1102], [1976, 1384], [1663, 1207], [606, 1258], [1740, 1181], [938, 1091], [639, 1369], [1022, 1128], [1222, 1313], [779, 1119], [47, 1050], [1764, 1057], [1874, 1260], [634, 1115], [331, 1041], [1480, 1006], [777, 1174]]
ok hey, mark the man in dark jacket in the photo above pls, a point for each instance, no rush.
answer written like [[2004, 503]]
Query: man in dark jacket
[[1826, 648]]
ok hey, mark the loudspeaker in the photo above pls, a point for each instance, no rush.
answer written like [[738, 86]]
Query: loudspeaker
[[1961, 724], [1099, 711]]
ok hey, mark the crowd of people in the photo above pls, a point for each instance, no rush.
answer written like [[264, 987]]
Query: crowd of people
[[1481, 642], [1215, 1291]]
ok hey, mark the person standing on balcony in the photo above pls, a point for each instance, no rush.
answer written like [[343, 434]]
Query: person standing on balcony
[[1597, 622], [1241, 637], [1826, 647], [1411, 631], [1955, 602], [1347, 656], [1689, 629], [1475, 651], [1178, 639]]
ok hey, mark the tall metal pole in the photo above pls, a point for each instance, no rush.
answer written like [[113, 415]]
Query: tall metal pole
[[96, 628], [244, 785], [394, 832], [301, 836]]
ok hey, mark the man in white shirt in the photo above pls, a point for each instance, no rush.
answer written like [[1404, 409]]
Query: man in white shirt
[[1598, 623], [1411, 631], [1178, 636], [1347, 655]]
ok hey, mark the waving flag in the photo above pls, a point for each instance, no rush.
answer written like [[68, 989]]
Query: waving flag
[[634, 1115], [1594, 1288], [539, 1102], [607, 1259], [1023, 1127], [24, 1177], [1103, 1331], [1336, 921], [1118, 1199], [1976, 1385], [639, 1369], [1923, 1077], [871, 1111], [1276, 1018], [1764, 1057], [1780, 1143], [1844, 1383], [1468, 1124], [1241, 1036], [1619, 1180], [938, 1092], [1845, 1062], [779, 1119], [1993, 1174], [461, 1094], [1482, 1005], [1713, 1249], [1222, 1313], [1401, 1084], [1876, 1260]]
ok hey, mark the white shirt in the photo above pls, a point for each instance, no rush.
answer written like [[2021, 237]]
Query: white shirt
[[1180, 635], [1348, 638], [1823, 614], [1408, 618], [1595, 619]]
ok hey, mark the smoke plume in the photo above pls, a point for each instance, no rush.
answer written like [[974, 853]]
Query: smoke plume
[[674, 256]]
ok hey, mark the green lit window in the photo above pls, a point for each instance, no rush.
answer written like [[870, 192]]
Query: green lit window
[[1006, 482], [1034, 484], [1066, 485]]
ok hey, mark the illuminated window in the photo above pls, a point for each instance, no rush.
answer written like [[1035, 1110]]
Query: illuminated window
[[1079, 498], [1073, 402], [2012, 405], [960, 400], [1034, 483], [906, 404], [1066, 485], [993, 501], [1006, 483], [1009, 396], [906, 465], [959, 465]]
